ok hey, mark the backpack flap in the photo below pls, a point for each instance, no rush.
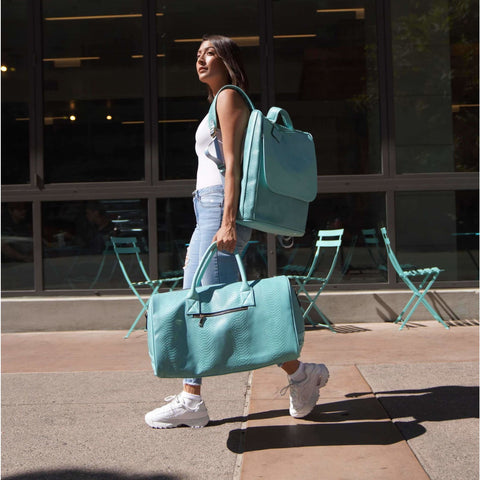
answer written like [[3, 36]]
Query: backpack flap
[[290, 164]]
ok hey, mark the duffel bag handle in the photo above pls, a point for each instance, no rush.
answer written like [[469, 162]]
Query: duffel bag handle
[[202, 267], [276, 112]]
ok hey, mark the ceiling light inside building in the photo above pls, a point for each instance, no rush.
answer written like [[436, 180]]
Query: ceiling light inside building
[[252, 41], [359, 12], [98, 17], [67, 62]]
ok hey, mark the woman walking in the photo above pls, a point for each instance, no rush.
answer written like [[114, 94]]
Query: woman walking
[[215, 204]]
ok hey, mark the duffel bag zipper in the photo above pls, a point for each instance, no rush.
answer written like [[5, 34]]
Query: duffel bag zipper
[[203, 316]]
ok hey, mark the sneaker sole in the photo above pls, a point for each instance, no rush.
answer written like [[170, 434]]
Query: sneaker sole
[[200, 423]]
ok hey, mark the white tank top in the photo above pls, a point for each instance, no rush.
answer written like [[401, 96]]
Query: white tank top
[[208, 173]]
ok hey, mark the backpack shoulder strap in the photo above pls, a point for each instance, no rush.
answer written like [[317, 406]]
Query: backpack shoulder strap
[[212, 112]]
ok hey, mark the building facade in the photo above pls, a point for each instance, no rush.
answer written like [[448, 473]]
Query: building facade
[[100, 103]]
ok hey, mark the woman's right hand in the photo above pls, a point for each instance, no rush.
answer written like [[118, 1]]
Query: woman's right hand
[[226, 238]]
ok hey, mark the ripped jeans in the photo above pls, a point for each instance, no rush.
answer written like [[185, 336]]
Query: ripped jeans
[[208, 206]]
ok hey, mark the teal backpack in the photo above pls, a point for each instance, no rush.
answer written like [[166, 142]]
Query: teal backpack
[[279, 166]]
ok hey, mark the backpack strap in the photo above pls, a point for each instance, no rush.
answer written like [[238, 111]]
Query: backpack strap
[[213, 125], [212, 112]]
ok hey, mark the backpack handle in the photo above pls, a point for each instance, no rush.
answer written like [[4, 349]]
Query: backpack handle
[[276, 112]]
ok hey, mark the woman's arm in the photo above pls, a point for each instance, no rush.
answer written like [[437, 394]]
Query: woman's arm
[[233, 117]]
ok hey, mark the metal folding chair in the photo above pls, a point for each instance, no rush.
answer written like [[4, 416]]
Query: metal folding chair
[[127, 246], [326, 239], [429, 275]]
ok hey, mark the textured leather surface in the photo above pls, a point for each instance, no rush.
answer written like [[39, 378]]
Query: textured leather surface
[[279, 172], [239, 336]]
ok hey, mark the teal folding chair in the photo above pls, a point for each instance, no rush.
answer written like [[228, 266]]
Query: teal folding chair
[[127, 246], [327, 239], [419, 293]]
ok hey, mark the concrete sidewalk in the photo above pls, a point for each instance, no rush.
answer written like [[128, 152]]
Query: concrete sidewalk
[[398, 405]]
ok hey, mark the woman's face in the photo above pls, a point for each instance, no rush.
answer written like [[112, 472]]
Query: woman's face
[[210, 67]]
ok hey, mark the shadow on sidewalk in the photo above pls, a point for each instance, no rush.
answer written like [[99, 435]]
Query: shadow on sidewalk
[[359, 421], [75, 474]]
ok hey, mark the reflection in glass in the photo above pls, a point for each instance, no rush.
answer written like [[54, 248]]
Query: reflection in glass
[[77, 252], [15, 96], [182, 101], [435, 63], [442, 231], [93, 91], [17, 246], [326, 78], [175, 223], [360, 260]]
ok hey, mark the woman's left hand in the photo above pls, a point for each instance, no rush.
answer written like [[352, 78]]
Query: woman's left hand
[[226, 238]]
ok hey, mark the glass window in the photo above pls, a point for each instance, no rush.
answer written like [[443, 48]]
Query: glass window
[[175, 224], [17, 246], [77, 252], [435, 62], [93, 91], [15, 93], [439, 229], [360, 261], [182, 102], [326, 77]]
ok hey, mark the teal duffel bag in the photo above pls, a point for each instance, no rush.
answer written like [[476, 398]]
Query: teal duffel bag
[[220, 329], [279, 177]]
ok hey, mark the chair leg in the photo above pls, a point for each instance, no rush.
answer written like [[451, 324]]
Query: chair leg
[[144, 309], [420, 299], [326, 321], [134, 324], [312, 304]]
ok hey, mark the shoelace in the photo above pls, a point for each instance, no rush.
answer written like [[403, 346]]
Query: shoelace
[[292, 387]]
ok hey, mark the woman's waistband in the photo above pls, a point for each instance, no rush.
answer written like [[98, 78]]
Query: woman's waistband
[[206, 190]]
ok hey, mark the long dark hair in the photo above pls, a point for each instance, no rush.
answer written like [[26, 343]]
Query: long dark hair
[[230, 53]]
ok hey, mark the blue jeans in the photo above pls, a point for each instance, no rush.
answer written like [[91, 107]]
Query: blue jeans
[[208, 206]]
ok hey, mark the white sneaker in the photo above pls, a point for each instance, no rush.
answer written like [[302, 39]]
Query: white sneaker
[[176, 413], [304, 394]]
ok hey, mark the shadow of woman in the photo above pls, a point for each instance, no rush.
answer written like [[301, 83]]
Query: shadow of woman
[[84, 474], [362, 419]]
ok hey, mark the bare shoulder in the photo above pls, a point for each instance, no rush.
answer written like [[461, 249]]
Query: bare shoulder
[[229, 99]]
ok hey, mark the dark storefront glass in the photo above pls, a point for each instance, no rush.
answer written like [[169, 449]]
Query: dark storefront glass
[[326, 77], [175, 224], [358, 261], [76, 250], [435, 62], [439, 229], [17, 246], [93, 91], [15, 93], [182, 101]]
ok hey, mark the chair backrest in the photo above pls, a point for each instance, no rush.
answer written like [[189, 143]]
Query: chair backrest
[[327, 239], [128, 246], [391, 255]]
